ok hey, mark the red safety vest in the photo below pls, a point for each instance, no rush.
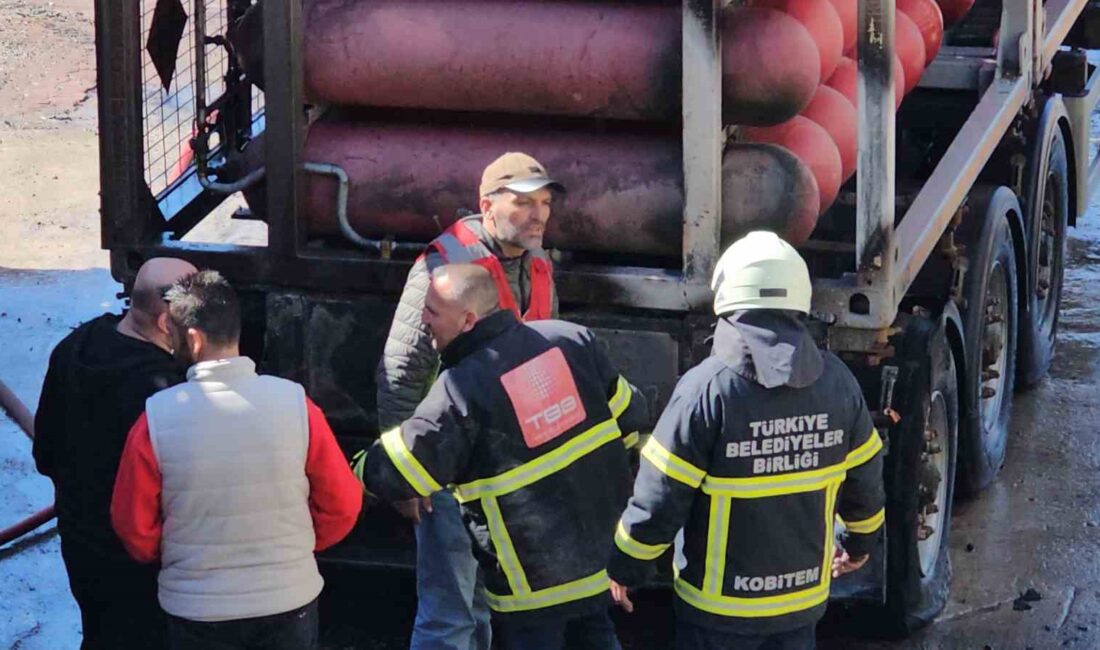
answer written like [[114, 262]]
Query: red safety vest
[[460, 245]]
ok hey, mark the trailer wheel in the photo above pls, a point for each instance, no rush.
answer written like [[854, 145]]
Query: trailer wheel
[[920, 478], [1048, 217], [990, 329]]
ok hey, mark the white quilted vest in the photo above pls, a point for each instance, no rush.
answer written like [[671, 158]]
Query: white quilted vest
[[238, 537]]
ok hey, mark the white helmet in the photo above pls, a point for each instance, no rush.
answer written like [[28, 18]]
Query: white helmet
[[761, 271]]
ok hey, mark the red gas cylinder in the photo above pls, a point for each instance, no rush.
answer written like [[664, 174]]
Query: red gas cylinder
[[833, 112], [846, 80], [954, 10], [823, 23], [811, 143], [909, 48], [929, 20], [758, 86], [848, 10], [617, 59], [766, 187]]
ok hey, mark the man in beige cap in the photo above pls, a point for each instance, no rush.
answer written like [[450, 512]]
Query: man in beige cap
[[506, 239]]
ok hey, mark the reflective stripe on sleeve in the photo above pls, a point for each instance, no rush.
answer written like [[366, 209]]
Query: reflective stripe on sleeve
[[636, 549], [672, 465], [621, 399], [868, 525], [407, 464], [630, 440], [864, 452]]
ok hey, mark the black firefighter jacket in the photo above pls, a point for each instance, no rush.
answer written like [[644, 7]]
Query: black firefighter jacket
[[529, 423], [761, 447]]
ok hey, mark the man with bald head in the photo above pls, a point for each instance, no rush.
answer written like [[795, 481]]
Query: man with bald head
[[96, 385], [529, 422]]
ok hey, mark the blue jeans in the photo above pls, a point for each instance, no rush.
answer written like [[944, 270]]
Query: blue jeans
[[590, 632], [293, 630], [451, 612]]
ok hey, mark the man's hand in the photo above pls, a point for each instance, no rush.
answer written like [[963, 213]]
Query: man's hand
[[621, 598], [842, 563], [412, 508]]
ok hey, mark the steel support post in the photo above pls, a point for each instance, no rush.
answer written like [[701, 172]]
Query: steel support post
[[124, 208], [285, 127], [1017, 42], [702, 135], [875, 185]]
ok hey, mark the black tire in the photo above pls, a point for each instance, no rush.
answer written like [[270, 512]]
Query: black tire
[[990, 322], [1047, 220], [917, 586]]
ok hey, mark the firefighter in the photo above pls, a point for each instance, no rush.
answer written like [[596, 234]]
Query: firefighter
[[506, 238], [529, 422], [760, 449]]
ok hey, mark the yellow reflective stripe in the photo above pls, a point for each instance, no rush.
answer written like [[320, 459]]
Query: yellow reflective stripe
[[751, 607], [672, 465], [541, 467], [630, 440], [717, 540], [621, 399], [636, 549], [768, 486], [830, 522], [407, 464], [506, 552], [868, 525], [864, 452], [593, 585]]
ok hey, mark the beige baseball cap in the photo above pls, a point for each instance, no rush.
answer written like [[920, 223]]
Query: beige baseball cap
[[517, 172]]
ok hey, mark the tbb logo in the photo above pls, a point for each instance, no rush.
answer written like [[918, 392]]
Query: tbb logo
[[544, 396]]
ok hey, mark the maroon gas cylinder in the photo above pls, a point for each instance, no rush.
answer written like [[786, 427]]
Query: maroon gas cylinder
[[558, 57], [409, 181], [766, 187], [625, 190], [599, 59]]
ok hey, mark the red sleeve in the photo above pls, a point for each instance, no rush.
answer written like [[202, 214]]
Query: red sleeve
[[335, 495], [135, 504]]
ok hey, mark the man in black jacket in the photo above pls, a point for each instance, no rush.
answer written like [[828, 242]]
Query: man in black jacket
[[761, 447], [96, 385], [529, 422]]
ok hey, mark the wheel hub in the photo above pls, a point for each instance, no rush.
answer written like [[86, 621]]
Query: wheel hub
[[931, 486], [993, 348]]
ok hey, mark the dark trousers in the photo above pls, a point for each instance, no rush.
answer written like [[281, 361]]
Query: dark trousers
[[694, 637], [117, 600], [589, 632], [293, 630]]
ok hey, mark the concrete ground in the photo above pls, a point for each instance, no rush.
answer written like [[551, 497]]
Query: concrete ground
[[1035, 527]]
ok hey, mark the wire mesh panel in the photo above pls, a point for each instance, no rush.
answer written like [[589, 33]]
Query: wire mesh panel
[[168, 78]]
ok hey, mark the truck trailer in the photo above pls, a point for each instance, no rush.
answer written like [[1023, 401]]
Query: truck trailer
[[937, 267]]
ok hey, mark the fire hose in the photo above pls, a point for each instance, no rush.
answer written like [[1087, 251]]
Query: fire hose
[[21, 415]]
